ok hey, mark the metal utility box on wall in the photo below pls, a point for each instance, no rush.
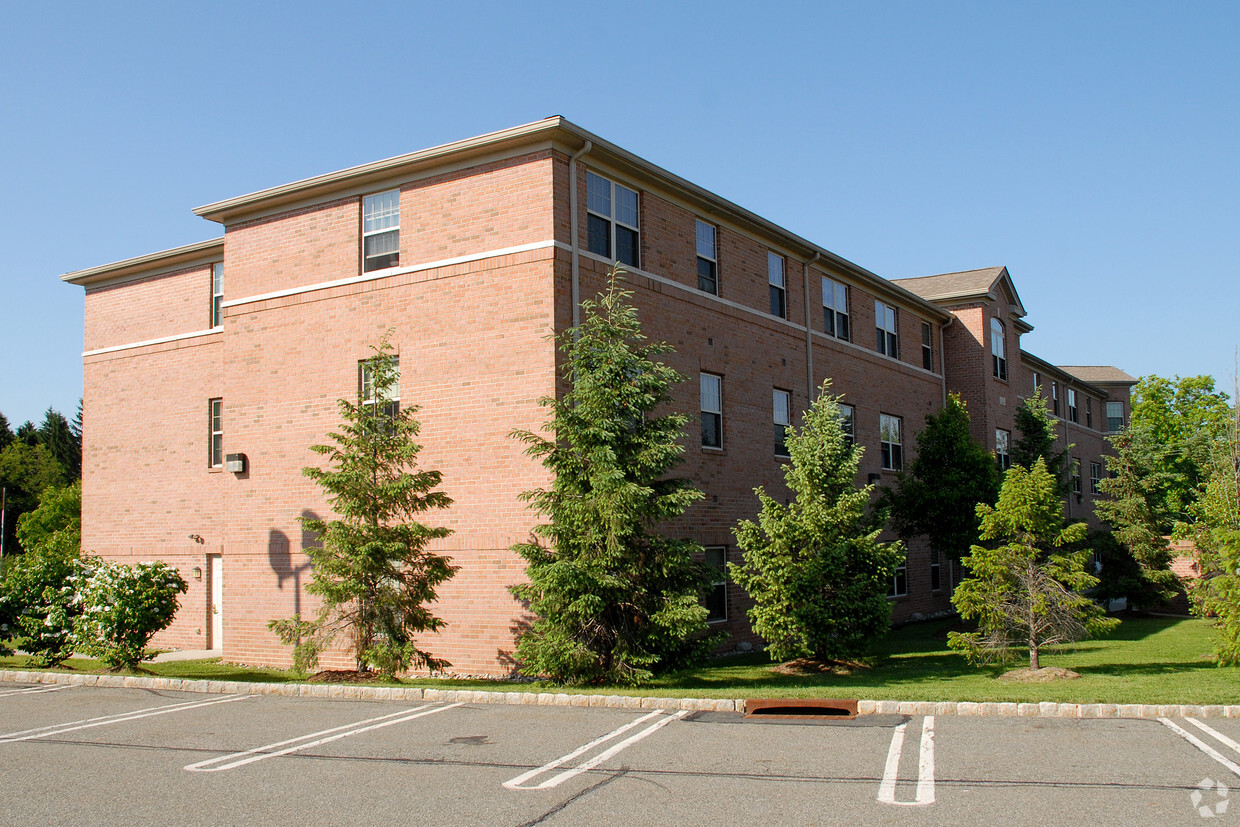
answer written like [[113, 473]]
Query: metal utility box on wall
[[235, 463]]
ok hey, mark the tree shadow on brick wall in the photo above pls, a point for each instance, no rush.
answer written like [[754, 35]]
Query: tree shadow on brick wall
[[518, 627], [280, 558]]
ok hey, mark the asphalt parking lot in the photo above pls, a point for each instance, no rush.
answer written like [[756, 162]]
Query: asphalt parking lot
[[94, 756]]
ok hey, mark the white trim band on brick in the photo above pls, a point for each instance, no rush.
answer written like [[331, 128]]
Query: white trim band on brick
[[160, 341], [375, 275]]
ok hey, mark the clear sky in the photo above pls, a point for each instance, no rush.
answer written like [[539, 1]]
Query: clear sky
[[1092, 148]]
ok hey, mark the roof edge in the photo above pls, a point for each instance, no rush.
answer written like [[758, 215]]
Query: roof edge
[[1046, 367], [149, 264]]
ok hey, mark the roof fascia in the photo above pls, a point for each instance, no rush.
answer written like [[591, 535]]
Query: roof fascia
[[1046, 367], [152, 264]]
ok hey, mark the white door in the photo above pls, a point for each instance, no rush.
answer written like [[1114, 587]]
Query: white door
[[217, 600]]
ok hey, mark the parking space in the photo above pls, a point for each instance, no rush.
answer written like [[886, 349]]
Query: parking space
[[151, 755]]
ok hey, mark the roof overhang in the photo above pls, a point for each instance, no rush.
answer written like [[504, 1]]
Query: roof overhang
[[165, 261], [1044, 367]]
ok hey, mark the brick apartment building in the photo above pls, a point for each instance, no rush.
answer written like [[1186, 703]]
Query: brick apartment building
[[473, 253]]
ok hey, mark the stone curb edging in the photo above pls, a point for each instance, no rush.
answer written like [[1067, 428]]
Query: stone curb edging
[[398, 693]]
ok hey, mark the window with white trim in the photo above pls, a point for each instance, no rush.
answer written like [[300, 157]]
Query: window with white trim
[[717, 594], [1095, 477], [1073, 414], [215, 418], [613, 228], [998, 349], [775, 278], [1115, 417], [1089, 412], [936, 582], [782, 412], [835, 308], [927, 346], [1076, 476], [712, 410], [389, 400], [848, 418], [899, 581], [381, 230], [1003, 450], [890, 446], [885, 324], [1055, 397], [707, 259], [217, 294]]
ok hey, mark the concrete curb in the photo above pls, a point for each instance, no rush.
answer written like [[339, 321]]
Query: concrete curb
[[400, 693]]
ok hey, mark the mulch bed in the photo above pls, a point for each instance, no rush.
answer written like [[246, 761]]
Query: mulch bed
[[1044, 675]]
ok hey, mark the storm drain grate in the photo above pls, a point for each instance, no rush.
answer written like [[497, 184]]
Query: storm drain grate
[[815, 708]]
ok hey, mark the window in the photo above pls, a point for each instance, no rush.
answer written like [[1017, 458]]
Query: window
[[889, 440], [381, 230], [783, 418], [1055, 397], [390, 399], [775, 276], [1037, 381], [899, 583], [707, 259], [1003, 455], [1095, 477], [717, 595], [1072, 411], [217, 294], [927, 349], [216, 417], [612, 220], [998, 349], [1076, 476], [936, 582], [1115, 417], [1089, 412], [848, 415], [885, 321], [712, 410], [835, 308]]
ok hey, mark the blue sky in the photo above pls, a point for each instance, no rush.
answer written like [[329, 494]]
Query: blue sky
[[1089, 147]]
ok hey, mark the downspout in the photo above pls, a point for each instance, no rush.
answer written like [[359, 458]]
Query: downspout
[[572, 223], [943, 356], [809, 332]]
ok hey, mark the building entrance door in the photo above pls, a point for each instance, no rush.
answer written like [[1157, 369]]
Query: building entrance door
[[216, 573]]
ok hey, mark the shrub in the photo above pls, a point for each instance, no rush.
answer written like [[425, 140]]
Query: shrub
[[36, 603], [121, 607]]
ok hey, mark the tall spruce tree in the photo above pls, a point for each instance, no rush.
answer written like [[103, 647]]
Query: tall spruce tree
[[6, 432], [815, 568], [57, 435], [615, 601], [373, 572], [1035, 437], [950, 475]]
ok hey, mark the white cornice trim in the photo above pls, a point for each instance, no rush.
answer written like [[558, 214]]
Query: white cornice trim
[[160, 341], [397, 271], [152, 264]]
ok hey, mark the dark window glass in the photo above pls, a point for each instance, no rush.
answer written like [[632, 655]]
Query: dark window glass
[[707, 281], [600, 236]]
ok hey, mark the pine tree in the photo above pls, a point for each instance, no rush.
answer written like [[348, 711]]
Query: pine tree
[[817, 573], [951, 474], [1027, 591], [615, 602], [56, 433], [373, 572], [1036, 438], [6, 433]]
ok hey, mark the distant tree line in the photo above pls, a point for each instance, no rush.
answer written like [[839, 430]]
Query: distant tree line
[[34, 458]]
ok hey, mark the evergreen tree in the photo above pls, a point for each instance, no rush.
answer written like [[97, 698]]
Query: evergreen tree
[[373, 572], [27, 433], [614, 601], [1216, 595], [1036, 439], [1027, 591], [6, 433], [817, 573], [57, 435], [951, 474]]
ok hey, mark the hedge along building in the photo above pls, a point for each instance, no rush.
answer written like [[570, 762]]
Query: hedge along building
[[210, 369]]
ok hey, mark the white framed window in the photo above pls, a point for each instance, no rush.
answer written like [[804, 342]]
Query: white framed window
[[782, 413], [1055, 397], [899, 582], [1073, 414], [1095, 477], [1115, 417], [381, 230], [217, 294], [848, 419], [835, 308], [707, 259], [927, 346], [1037, 381], [891, 447], [717, 595], [712, 410], [936, 582], [885, 324], [775, 277], [1003, 449], [613, 220], [215, 417], [1076, 476], [998, 349], [390, 400]]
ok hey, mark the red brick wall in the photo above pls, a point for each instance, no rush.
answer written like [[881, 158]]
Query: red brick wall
[[169, 304]]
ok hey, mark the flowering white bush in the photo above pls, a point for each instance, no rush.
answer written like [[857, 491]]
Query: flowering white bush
[[121, 607]]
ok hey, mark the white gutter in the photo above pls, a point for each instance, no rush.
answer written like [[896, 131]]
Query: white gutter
[[576, 239]]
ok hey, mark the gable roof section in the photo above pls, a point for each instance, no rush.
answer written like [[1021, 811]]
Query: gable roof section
[[1099, 374], [987, 283]]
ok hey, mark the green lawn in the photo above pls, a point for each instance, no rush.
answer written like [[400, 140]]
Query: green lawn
[[1147, 660]]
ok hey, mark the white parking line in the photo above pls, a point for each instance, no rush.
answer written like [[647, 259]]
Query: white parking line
[[249, 756], [33, 690], [116, 718], [1202, 745], [586, 766], [925, 767]]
